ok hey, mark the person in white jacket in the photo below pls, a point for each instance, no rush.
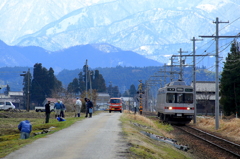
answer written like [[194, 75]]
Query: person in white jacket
[[77, 107]]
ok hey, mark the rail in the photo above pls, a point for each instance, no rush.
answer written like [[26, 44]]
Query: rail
[[221, 143]]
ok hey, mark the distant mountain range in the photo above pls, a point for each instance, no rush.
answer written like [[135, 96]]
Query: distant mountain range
[[153, 28], [98, 55]]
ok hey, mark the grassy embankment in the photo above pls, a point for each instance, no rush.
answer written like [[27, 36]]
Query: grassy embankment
[[228, 126], [142, 146], [9, 134]]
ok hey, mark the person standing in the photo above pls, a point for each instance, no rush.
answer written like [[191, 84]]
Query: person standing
[[135, 107], [25, 127], [47, 111], [78, 106], [89, 108], [57, 107], [86, 107], [62, 110]]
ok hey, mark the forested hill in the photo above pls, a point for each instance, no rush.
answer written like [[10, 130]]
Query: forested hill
[[119, 76], [123, 77]]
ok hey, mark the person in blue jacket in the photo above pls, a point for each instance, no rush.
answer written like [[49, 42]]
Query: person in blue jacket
[[25, 127], [62, 110], [58, 108]]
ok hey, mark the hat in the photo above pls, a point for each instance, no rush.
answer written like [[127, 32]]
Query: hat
[[77, 98]]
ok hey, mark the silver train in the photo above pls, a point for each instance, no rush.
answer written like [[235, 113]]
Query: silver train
[[175, 103]]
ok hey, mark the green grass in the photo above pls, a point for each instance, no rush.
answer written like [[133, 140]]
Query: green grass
[[9, 134], [145, 147]]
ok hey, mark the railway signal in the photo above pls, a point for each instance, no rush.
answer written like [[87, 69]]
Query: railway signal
[[140, 92]]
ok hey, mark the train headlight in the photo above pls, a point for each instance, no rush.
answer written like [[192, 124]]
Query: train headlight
[[188, 108], [170, 108]]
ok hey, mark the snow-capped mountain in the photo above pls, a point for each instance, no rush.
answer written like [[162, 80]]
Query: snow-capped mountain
[[153, 28], [19, 18]]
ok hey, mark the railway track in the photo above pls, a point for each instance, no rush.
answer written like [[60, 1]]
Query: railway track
[[232, 148]]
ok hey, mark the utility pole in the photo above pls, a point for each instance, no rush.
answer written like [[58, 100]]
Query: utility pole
[[181, 62], [86, 70], [28, 88], [140, 92], [90, 74], [217, 65], [194, 79], [110, 87]]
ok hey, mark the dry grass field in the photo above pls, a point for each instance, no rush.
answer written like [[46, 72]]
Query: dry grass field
[[229, 127], [141, 146]]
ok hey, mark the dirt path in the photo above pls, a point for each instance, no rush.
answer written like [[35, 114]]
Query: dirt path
[[97, 137]]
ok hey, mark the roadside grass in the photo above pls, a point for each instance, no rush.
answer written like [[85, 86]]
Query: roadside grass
[[227, 127], [142, 146], [9, 134]]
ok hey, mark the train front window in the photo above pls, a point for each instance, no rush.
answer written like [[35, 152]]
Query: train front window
[[170, 97], [188, 98], [179, 98]]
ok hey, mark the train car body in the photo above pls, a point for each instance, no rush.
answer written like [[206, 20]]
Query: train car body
[[175, 103]]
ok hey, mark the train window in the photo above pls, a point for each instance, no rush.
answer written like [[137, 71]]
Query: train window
[[170, 98], [188, 89], [188, 98], [179, 98]]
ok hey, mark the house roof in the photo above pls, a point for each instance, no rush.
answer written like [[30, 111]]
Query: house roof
[[15, 93], [103, 95], [127, 99], [205, 86]]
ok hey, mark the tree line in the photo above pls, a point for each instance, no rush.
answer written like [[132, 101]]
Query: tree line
[[230, 82], [44, 84]]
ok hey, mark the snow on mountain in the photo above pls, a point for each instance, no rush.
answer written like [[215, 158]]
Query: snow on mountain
[[150, 28], [19, 18]]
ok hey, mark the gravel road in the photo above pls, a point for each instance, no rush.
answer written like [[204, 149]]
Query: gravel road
[[99, 137]]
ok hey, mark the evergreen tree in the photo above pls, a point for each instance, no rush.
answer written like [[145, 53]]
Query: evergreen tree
[[51, 84], [99, 82], [27, 86], [38, 83], [82, 84], [7, 90], [126, 93], [73, 87], [115, 92], [44, 84], [132, 90], [230, 82]]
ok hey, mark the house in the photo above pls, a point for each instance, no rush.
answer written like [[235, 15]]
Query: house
[[102, 100], [128, 103], [15, 97], [205, 96]]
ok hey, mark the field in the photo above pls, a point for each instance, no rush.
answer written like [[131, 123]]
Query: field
[[228, 126], [9, 133], [141, 146]]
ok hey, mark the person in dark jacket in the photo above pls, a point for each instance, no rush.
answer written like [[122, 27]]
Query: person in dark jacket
[[89, 108], [86, 107], [25, 127], [47, 112]]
